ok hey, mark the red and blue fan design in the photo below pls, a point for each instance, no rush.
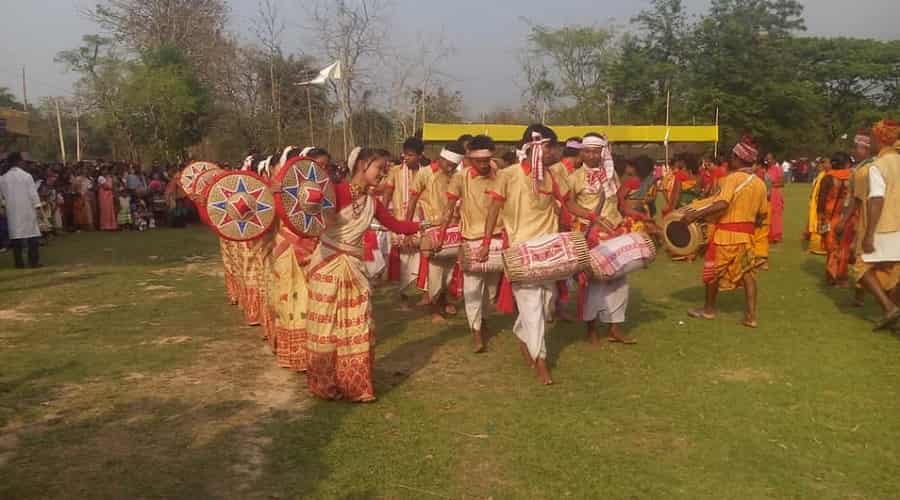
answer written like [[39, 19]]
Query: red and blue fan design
[[306, 200], [240, 206]]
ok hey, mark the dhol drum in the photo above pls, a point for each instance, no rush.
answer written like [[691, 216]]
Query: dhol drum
[[682, 239], [553, 257], [617, 257], [494, 262], [450, 248]]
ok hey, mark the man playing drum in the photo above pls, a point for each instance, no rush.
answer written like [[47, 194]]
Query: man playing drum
[[430, 191], [593, 189], [738, 209], [403, 265], [469, 187], [524, 194]]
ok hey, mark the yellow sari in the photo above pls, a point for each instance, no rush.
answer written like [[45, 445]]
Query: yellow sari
[[816, 245], [339, 318]]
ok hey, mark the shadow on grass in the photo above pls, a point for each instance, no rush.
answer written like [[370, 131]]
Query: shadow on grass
[[48, 278], [841, 297], [298, 447], [146, 448]]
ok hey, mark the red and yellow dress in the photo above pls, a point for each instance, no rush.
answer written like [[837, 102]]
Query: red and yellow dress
[[288, 297], [340, 347], [837, 248]]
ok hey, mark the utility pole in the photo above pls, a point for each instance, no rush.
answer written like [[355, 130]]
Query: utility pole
[[62, 142], [77, 133]]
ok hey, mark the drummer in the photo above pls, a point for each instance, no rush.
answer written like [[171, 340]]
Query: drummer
[[469, 187], [429, 189], [593, 190], [403, 262], [738, 209], [524, 195], [562, 173]]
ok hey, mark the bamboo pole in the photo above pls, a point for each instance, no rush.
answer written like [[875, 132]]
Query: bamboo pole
[[62, 142], [716, 144]]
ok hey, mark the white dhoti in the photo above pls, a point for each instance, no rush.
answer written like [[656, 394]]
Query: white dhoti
[[606, 301], [440, 273], [535, 303], [478, 290], [409, 268]]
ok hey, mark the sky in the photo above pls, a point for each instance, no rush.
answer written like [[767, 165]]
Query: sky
[[486, 36]]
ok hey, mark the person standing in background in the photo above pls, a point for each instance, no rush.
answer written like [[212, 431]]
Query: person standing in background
[[18, 192]]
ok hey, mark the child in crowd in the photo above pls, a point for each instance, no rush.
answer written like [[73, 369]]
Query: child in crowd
[[124, 216], [141, 215]]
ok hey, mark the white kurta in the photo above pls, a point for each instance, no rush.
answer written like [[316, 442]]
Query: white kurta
[[19, 193]]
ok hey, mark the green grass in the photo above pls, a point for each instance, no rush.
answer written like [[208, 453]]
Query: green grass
[[117, 387]]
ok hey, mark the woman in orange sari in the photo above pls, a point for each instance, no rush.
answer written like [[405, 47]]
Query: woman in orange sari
[[833, 192], [341, 329]]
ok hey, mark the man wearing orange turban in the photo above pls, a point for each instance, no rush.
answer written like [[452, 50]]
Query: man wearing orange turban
[[881, 243]]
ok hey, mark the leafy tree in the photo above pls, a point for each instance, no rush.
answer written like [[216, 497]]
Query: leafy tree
[[163, 104], [8, 100]]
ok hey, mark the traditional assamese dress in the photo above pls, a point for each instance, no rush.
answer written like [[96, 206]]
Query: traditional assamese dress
[[403, 264], [289, 295], [730, 253], [838, 247], [816, 245], [106, 200], [776, 204], [339, 313]]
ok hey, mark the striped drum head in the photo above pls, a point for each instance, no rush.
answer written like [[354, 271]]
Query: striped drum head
[[240, 206], [306, 200], [190, 173]]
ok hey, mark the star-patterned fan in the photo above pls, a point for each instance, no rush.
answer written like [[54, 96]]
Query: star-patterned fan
[[240, 206], [201, 191], [306, 199], [190, 173]]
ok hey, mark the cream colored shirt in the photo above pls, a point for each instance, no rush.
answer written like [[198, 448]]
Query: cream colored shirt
[[526, 214]]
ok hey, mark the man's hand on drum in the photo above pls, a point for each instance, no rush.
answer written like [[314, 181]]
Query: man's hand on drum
[[690, 215], [482, 254]]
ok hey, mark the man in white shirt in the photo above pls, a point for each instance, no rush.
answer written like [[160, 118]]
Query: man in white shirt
[[18, 193], [786, 167]]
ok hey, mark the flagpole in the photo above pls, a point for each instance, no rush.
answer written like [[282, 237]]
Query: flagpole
[[62, 142], [668, 102], [312, 134], [716, 144]]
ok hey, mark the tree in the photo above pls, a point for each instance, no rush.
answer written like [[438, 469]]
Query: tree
[[196, 27], [575, 62], [740, 61], [164, 105], [7, 99], [856, 79], [351, 32]]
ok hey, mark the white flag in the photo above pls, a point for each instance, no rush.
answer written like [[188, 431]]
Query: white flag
[[332, 72]]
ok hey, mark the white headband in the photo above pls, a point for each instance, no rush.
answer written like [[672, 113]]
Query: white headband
[[592, 142], [454, 158]]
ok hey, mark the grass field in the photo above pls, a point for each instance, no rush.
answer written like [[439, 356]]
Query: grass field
[[124, 374]]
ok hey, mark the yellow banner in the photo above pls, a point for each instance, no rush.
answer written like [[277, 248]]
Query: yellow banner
[[446, 132]]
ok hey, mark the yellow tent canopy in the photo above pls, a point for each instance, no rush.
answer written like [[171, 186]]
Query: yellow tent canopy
[[446, 132]]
